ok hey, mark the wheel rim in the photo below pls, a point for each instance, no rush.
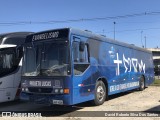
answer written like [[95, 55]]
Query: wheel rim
[[100, 93]]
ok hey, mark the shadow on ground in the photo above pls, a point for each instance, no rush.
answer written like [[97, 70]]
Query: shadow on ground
[[57, 110]]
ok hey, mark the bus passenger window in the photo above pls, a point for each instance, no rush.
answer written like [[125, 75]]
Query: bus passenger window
[[80, 58], [84, 55], [76, 51]]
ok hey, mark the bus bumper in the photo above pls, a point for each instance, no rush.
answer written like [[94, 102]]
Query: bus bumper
[[46, 99]]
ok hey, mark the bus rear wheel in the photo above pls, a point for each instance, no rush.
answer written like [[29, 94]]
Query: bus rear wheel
[[100, 93], [141, 84]]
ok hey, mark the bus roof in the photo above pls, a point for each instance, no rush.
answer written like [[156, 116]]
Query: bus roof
[[89, 34], [11, 34], [5, 36]]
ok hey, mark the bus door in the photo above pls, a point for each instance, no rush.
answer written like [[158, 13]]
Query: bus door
[[82, 73]]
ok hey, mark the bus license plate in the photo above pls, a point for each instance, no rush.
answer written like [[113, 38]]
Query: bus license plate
[[58, 102]]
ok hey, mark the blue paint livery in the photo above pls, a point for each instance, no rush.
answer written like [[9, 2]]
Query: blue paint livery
[[121, 65]]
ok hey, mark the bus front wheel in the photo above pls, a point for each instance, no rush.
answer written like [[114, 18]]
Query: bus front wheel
[[100, 93]]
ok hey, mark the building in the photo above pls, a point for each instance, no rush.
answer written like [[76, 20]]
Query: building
[[156, 59]]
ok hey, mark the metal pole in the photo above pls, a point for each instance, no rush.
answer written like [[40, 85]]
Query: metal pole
[[141, 39], [145, 41], [114, 30]]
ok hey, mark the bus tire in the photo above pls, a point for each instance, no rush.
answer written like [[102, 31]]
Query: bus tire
[[100, 93], [141, 83]]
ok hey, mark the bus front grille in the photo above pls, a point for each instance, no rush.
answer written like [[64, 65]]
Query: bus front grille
[[40, 90]]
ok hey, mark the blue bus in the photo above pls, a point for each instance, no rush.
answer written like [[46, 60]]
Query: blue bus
[[70, 66]]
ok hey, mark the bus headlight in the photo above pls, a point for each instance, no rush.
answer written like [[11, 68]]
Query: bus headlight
[[23, 89], [61, 91], [56, 90], [26, 89]]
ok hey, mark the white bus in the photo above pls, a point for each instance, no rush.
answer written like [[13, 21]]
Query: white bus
[[11, 52]]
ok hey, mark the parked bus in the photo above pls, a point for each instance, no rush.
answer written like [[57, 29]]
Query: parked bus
[[69, 66], [11, 52]]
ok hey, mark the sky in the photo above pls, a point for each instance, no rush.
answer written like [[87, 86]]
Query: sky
[[136, 21]]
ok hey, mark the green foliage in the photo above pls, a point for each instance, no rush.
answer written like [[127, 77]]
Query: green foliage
[[156, 82]]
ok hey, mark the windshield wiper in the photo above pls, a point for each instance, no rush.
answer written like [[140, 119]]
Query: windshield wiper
[[58, 69]]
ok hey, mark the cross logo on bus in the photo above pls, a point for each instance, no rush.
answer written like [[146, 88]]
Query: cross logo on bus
[[118, 62], [129, 63]]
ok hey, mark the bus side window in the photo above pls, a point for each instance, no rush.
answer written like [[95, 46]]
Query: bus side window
[[84, 55], [76, 51], [81, 57]]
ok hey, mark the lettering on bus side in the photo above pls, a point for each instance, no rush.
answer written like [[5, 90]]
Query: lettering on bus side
[[131, 62], [123, 86]]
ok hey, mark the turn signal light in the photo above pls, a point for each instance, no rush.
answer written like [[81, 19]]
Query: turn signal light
[[66, 91]]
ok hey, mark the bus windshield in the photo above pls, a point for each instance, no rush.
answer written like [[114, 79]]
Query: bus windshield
[[46, 59], [8, 62]]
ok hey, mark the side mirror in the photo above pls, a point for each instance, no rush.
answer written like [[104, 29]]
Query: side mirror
[[81, 46]]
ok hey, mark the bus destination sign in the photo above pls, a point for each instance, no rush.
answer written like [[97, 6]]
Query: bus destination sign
[[44, 36], [52, 34]]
